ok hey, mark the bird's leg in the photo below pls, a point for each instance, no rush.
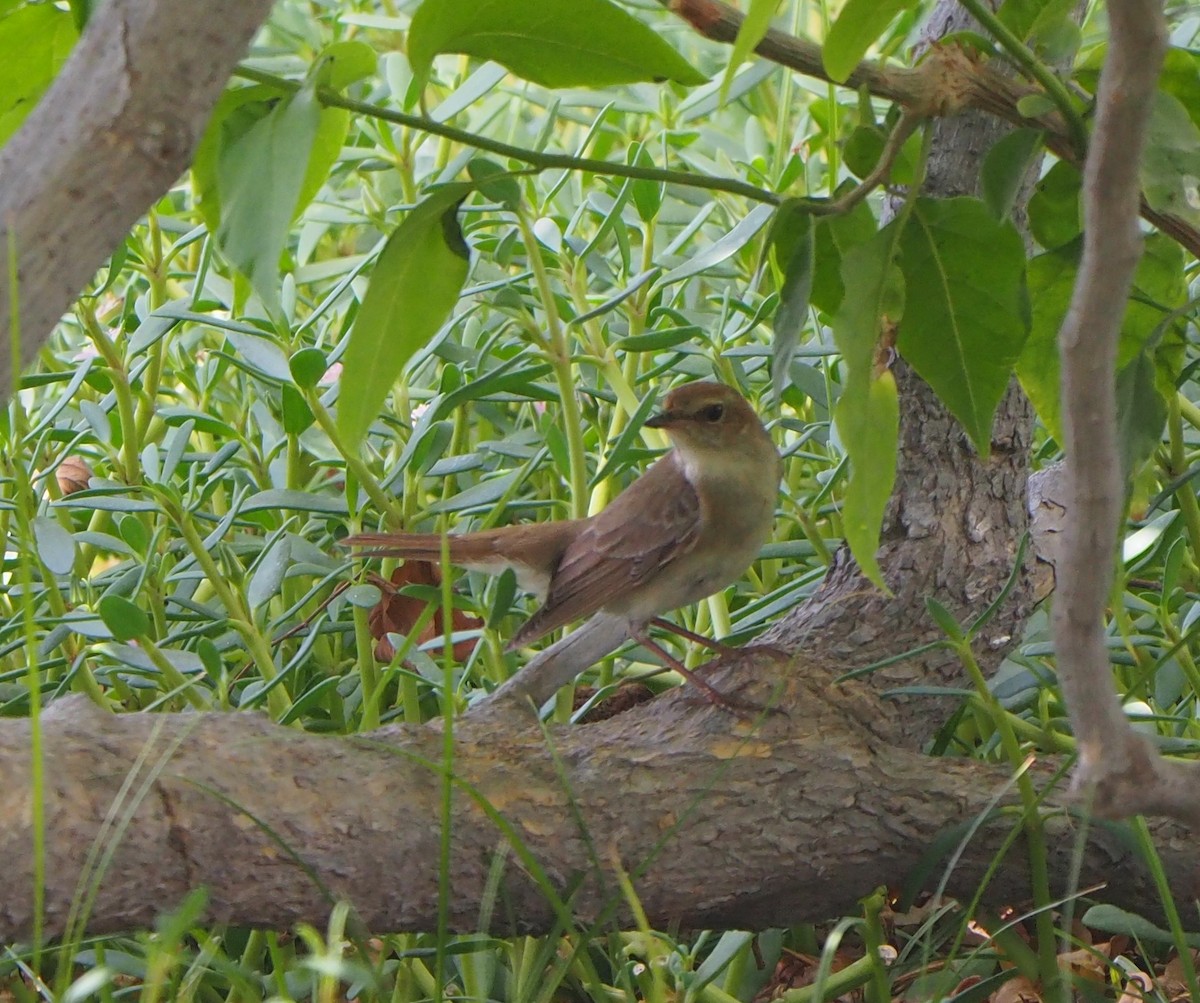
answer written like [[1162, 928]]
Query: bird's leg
[[662, 623], [711, 693], [751, 650]]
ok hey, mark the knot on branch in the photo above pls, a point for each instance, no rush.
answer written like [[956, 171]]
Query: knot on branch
[[947, 81]]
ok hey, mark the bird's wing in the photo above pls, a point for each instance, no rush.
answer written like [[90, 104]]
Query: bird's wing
[[650, 524]]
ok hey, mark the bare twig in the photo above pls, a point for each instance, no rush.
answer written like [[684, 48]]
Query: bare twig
[[1118, 767]]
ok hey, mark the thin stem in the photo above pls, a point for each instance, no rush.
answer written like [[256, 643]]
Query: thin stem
[[542, 161]]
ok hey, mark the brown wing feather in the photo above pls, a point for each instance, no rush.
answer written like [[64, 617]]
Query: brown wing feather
[[652, 522]]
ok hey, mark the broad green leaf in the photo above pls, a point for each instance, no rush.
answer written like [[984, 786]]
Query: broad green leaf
[[1005, 167], [866, 414], [1171, 161], [345, 63], [260, 177], [1141, 413], [834, 237], [790, 247], [414, 286], [857, 27], [966, 312], [1181, 79], [864, 148], [1158, 289], [35, 41], [754, 26], [1055, 217], [869, 425], [555, 43], [235, 114], [123, 618], [874, 298], [1029, 18]]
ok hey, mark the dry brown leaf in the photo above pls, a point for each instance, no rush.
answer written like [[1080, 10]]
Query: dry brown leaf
[[398, 614], [1086, 963], [1018, 990]]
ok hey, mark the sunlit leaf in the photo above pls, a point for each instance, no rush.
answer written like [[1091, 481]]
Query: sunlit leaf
[[858, 25], [35, 41], [753, 27], [869, 425], [260, 177], [555, 43], [966, 311], [414, 286]]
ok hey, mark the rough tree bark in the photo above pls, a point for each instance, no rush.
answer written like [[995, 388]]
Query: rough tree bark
[[115, 130], [723, 822]]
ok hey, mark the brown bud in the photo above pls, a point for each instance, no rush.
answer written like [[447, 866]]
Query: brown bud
[[72, 475]]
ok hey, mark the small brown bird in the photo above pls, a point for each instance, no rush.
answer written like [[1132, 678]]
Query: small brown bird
[[687, 527]]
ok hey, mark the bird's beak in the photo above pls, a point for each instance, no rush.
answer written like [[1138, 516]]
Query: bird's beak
[[663, 419]]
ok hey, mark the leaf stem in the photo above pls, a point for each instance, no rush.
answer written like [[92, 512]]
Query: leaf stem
[[542, 161]]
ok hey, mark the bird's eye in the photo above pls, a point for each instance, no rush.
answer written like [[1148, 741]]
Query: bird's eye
[[713, 412]]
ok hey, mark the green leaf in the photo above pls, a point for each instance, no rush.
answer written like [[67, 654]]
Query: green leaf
[[869, 424], [834, 237], [944, 619], [754, 26], [235, 114], [307, 366], [1181, 79], [1171, 160], [260, 176], [1111, 919], [1005, 167], [344, 63], [494, 182], [967, 312], [555, 43], [1055, 218], [55, 546], [857, 27], [647, 195], [1158, 289], [1141, 413], [123, 618], [790, 245], [867, 413], [297, 416], [414, 286], [35, 41]]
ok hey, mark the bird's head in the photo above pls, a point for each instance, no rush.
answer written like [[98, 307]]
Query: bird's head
[[707, 418]]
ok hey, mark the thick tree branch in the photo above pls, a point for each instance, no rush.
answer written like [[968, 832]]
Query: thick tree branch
[[1124, 771], [722, 822], [116, 128]]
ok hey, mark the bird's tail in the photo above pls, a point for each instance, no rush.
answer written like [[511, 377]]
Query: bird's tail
[[468, 548]]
